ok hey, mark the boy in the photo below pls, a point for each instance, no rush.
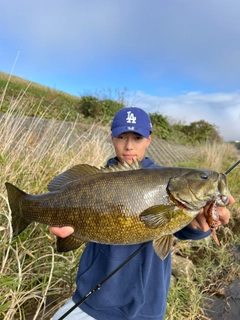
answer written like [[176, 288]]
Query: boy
[[139, 289]]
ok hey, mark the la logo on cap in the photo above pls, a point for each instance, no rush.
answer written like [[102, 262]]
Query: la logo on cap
[[131, 118]]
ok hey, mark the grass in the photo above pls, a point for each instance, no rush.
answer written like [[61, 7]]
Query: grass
[[38, 100], [214, 267], [35, 280]]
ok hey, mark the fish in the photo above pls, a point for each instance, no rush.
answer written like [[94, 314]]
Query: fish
[[119, 205]]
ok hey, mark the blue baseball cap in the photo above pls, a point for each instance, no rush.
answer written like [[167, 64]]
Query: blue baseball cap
[[131, 119]]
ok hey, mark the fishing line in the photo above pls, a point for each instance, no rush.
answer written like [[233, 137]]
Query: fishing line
[[232, 167], [98, 286]]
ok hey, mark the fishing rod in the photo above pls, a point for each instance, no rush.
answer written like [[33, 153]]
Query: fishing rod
[[232, 167], [98, 286]]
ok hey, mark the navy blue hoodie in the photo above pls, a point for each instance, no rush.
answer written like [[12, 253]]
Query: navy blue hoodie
[[139, 289]]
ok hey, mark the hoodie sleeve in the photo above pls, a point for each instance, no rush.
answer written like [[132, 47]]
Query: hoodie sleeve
[[188, 233]]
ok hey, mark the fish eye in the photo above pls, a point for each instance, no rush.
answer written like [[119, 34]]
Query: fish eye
[[204, 176]]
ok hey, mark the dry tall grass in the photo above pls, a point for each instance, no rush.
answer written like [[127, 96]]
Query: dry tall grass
[[33, 278], [214, 268], [217, 156]]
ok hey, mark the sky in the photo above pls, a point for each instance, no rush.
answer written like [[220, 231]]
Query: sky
[[180, 58]]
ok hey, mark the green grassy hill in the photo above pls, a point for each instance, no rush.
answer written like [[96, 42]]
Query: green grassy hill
[[33, 99], [37, 99], [49, 104]]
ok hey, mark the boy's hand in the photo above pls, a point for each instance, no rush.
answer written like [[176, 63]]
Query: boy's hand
[[200, 221], [62, 232]]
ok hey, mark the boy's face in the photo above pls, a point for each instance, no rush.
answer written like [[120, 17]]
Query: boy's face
[[130, 146]]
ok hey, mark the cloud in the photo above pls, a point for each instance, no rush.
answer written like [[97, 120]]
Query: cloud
[[220, 109], [197, 39]]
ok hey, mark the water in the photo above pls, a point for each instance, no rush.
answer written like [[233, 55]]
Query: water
[[226, 304], [226, 307]]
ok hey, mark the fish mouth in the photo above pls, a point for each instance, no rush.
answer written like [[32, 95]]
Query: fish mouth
[[223, 200], [179, 203]]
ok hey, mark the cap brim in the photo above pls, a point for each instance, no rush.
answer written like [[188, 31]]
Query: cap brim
[[119, 130]]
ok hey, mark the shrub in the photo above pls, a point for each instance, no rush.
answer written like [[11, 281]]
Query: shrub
[[99, 109], [161, 127], [199, 132]]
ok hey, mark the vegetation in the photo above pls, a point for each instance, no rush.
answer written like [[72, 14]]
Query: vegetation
[[161, 126], [35, 280], [99, 109], [214, 267], [92, 108], [37, 100], [199, 132]]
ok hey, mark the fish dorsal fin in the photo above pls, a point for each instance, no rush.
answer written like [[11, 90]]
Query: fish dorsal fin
[[83, 170], [125, 166], [157, 216], [74, 173], [162, 246]]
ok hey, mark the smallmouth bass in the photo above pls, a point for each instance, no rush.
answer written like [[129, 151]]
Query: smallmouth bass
[[122, 204]]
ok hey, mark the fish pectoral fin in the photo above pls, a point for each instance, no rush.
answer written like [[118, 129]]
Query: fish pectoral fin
[[157, 216], [77, 172], [162, 246], [69, 243]]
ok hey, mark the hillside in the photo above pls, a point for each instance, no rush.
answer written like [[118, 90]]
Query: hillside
[[40, 99], [49, 104]]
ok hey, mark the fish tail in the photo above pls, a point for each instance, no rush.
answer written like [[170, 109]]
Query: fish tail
[[15, 197]]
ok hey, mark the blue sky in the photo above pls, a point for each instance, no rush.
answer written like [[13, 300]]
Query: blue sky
[[177, 57]]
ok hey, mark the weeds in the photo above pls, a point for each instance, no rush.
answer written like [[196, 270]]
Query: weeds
[[214, 267], [34, 279]]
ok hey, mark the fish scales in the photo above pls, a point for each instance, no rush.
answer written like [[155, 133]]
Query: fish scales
[[125, 205], [104, 200]]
